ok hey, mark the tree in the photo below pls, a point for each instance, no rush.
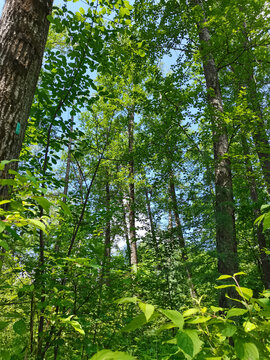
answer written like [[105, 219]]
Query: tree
[[23, 33]]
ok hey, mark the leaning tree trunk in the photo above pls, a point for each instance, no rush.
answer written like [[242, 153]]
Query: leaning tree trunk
[[23, 33], [224, 207]]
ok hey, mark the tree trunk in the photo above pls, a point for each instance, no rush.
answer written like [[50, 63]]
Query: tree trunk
[[181, 239], [152, 226], [132, 228], [264, 259], [23, 33], [107, 244], [224, 207]]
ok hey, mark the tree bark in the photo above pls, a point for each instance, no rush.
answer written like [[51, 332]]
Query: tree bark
[[152, 226], [224, 207], [132, 228], [23, 33]]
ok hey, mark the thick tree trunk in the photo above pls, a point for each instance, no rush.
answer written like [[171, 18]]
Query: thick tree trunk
[[23, 33], [132, 228], [126, 231], [224, 207]]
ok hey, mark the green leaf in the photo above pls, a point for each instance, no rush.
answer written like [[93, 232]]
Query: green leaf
[[111, 355], [20, 327], [235, 312], [77, 326], [199, 320], [3, 325], [244, 292], [222, 277], [4, 245], [82, 11], [4, 202], [147, 309], [249, 326], [44, 203], [189, 342], [224, 286], [239, 273], [50, 19], [190, 312], [65, 208], [123, 12], [3, 163], [246, 350], [127, 300], [229, 330], [175, 317], [263, 207], [2, 226], [135, 323], [38, 224]]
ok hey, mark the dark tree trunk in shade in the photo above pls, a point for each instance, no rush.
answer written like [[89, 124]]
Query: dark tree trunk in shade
[[180, 235], [131, 215], [23, 33], [224, 207], [107, 242], [264, 258], [126, 231]]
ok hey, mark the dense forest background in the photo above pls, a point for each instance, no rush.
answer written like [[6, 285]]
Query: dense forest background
[[143, 177]]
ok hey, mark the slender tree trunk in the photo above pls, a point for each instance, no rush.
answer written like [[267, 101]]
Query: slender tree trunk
[[23, 33], [126, 232], [107, 243], [181, 239], [132, 228], [152, 226], [264, 259]]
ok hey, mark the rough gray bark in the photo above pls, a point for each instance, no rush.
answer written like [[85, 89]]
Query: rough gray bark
[[23, 33], [131, 214], [224, 207], [107, 244]]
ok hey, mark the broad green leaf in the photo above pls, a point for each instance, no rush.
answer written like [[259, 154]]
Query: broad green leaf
[[246, 350], [2, 226], [190, 312], [20, 327], [167, 326], [244, 292], [235, 312], [147, 309], [263, 207], [229, 330], [111, 355], [249, 326], [189, 342], [175, 317], [82, 11], [222, 277], [44, 203], [135, 323], [216, 308], [124, 11], [266, 221], [3, 324], [37, 223]]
